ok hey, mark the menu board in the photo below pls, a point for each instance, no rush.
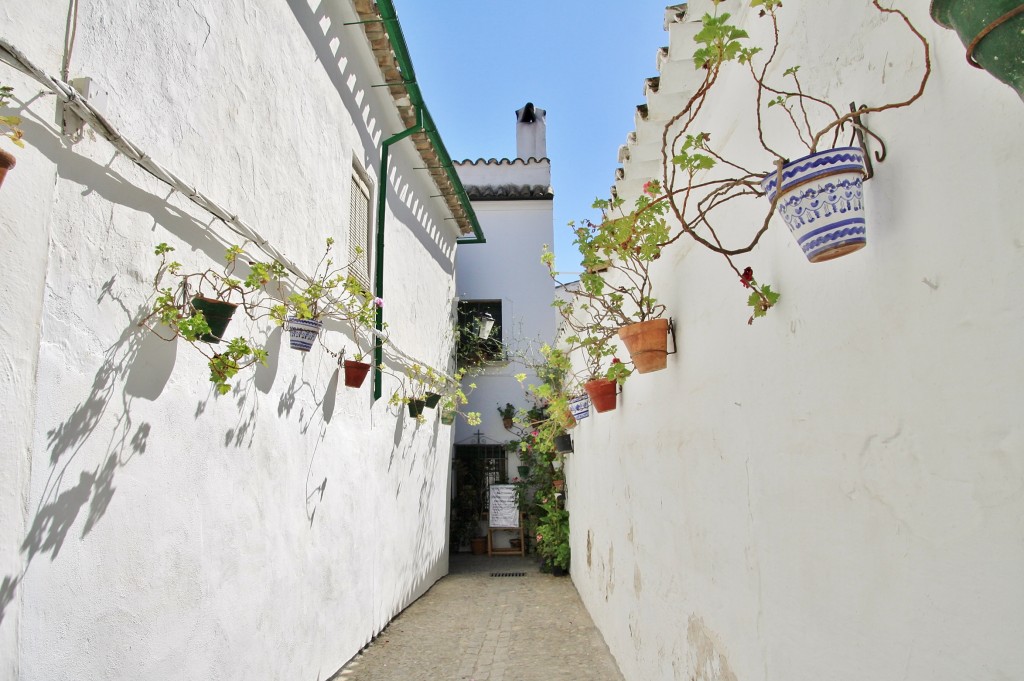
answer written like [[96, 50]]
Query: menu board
[[504, 507]]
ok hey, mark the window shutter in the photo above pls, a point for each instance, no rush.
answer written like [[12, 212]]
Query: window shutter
[[359, 231]]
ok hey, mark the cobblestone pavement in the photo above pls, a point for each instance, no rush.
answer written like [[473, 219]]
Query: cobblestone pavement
[[471, 626]]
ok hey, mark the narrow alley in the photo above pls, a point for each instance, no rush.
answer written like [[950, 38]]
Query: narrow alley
[[490, 619]]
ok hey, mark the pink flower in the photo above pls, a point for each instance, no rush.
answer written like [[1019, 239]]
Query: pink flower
[[378, 302], [651, 188]]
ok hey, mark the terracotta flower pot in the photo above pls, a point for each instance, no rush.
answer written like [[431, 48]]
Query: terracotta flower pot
[[602, 394], [7, 161], [507, 423], [355, 373], [478, 545], [647, 343]]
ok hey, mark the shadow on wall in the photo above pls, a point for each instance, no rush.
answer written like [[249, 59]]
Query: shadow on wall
[[333, 47], [113, 187], [141, 364]]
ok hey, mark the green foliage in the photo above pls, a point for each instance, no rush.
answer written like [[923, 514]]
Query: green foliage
[[238, 355], [553, 532], [173, 308], [11, 123], [719, 40]]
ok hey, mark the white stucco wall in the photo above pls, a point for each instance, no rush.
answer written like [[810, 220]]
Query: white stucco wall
[[508, 268], [837, 491], [150, 529]]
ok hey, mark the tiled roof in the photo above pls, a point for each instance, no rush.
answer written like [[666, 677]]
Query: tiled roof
[[510, 192], [382, 50], [504, 161]]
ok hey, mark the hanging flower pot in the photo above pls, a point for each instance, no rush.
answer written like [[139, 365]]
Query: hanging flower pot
[[416, 407], [355, 373], [821, 198], [524, 471], [218, 315], [991, 31], [7, 161], [559, 485], [563, 443], [303, 332], [431, 400], [602, 393], [647, 343], [447, 416]]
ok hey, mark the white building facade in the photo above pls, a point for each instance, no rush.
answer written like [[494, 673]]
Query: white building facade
[[149, 528], [837, 490], [513, 200]]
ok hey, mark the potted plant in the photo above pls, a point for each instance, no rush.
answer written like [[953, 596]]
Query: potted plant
[[8, 129], [507, 413], [553, 534], [199, 306], [329, 294], [820, 194]]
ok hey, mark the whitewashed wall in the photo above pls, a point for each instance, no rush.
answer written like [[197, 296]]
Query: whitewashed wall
[[150, 529], [837, 491], [508, 268]]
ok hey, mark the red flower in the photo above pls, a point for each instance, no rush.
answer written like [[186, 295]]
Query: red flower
[[616, 360], [747, 277]]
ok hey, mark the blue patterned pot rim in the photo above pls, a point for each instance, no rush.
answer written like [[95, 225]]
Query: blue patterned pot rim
[[829, 161]]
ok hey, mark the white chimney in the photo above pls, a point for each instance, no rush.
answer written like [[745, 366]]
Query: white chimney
[[531, 133]]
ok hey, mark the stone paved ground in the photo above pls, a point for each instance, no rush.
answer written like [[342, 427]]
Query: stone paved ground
[[474, 627]]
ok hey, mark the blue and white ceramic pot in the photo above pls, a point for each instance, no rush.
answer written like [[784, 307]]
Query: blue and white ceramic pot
[[303, 332], [822, 202]]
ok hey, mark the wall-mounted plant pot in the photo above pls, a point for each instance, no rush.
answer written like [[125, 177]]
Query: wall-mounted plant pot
[[303, 332], [7, 161], [821, 198], [524, 471], [507, 423], [416, 407], [218, 316], [563, 444], [559, 485], [431, 400], [355, 373], [647, 343], [602, 394], [447, 416], [992, 31]]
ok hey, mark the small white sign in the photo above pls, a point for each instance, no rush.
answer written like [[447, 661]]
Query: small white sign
[[504, 506]]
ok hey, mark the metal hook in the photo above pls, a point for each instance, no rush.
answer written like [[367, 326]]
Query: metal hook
[[858, 133], [672, 332]]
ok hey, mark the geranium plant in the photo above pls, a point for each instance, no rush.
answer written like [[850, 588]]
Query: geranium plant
[[182, 308]]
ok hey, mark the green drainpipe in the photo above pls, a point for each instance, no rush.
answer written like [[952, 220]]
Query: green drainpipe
[[425, 124]]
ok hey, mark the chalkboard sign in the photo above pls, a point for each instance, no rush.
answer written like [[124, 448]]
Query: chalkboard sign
[[504, 507]]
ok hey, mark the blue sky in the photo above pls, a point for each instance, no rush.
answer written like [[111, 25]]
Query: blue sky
[[478, 61]]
